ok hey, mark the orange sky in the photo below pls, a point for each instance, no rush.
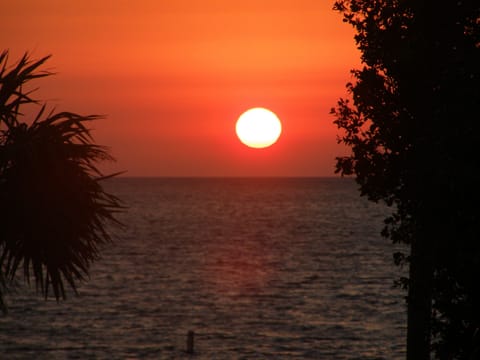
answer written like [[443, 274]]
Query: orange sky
[[173, 77]]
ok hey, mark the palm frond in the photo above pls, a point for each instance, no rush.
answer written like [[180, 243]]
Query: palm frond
[[53, 209], [11, 82]]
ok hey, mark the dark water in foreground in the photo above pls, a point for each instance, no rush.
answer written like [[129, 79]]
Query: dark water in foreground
[[258, 268]]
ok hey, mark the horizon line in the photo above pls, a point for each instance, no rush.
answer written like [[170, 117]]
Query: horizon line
[[233, 176]]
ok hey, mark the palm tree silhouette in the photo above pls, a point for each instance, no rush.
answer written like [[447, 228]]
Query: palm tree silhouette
[[53, 209]]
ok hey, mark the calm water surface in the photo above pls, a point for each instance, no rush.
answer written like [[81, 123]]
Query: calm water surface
[[258, 268]]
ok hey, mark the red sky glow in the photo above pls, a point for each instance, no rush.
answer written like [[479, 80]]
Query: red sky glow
[[173, 77]]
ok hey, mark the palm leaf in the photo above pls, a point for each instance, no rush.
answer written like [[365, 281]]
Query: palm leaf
[[11, 82], [53, 209]]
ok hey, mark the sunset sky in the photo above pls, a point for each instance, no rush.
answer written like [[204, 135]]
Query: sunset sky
[[174, 76]]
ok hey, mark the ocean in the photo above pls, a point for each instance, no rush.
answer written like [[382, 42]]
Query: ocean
[[257, 268]]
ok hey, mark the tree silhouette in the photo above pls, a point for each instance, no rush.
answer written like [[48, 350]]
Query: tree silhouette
[[53, 209], [413, 127]]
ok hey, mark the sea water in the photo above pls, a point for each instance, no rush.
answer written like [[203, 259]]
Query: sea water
[[257, 268]]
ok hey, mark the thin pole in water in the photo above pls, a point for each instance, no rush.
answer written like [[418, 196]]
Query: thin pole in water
[[190, 336]]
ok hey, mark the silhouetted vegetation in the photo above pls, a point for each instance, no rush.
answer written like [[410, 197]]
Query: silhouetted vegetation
[[413, 127], [53, 209]]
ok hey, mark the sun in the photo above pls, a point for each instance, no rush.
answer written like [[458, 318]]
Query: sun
[[258, 128]]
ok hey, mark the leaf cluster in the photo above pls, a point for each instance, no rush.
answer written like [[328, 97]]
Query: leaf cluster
[[411, 121], [53, 208]]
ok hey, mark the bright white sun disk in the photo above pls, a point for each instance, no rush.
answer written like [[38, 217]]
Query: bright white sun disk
[[258, 128]]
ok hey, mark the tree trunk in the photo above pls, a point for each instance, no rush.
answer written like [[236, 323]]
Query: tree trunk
[[419, 300]]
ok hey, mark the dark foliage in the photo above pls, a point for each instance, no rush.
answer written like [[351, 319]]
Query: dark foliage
[[53, 208], [414, 129]]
